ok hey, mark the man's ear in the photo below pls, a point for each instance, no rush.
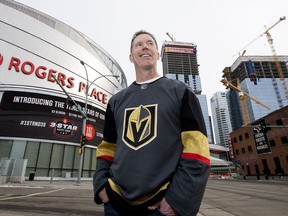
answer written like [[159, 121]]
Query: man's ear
[[131, 58]]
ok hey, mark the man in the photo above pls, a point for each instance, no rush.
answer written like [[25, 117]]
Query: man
[[154, 158]]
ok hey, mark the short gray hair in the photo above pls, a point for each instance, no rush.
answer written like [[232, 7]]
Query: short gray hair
[[140, 33]]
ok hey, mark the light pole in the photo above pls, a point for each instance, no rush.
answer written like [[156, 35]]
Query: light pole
[[83, 113], [81, 150]]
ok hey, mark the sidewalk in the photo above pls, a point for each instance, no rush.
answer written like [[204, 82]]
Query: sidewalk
[[205, 210]]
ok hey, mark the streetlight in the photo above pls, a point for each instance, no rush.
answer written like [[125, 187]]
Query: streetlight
[[83, 113], [81, 150]]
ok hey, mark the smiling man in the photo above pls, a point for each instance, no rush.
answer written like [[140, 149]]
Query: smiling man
[[154, 158]]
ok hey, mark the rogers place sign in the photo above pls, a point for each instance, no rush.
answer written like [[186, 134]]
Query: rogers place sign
[[43, 73]]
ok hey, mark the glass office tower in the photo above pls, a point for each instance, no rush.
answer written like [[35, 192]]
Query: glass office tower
[[259, 77], [221, 118]]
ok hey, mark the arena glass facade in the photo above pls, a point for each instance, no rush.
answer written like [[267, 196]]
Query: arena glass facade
[[36, 122]]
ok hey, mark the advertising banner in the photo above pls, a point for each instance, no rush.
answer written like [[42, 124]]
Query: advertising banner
[[261, 142], [230, 147], [180, 50], [38, 116]]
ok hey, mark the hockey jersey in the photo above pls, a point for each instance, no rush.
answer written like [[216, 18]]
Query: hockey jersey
[[154, 145]]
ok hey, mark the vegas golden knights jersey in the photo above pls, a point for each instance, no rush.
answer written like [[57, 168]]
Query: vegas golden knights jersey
[[154, 145]]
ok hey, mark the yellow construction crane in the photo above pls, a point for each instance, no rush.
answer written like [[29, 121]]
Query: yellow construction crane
[[243, 105], [276, 60]]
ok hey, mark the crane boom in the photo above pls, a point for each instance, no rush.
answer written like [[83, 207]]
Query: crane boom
[[237, 89], [267, 30], [243, 104]]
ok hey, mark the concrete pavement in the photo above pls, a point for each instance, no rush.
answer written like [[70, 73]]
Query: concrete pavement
[[205, 210]]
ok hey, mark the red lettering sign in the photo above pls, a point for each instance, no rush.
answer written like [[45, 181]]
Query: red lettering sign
[[42, 72]]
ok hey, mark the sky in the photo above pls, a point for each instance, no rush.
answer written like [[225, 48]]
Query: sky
[[220, 28]]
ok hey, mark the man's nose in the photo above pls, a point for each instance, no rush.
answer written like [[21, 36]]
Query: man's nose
[[145, 46]]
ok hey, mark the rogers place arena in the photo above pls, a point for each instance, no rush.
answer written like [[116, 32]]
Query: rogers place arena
[[37, 125]]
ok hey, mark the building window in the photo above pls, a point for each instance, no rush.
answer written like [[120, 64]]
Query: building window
[[272, 143], [69, 152], [235, 140], [246, 136], [240, 138], [237, 152], [32, 149], [284, 140], [56, 157], [249, 148], [44, 157], [243, 150], [279, 122], [5, 146]]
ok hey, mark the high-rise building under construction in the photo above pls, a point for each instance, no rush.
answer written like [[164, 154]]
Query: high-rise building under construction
[[179, 62], [259, 77]]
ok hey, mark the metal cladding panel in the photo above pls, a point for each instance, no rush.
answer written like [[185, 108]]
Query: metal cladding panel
[[250, 67]]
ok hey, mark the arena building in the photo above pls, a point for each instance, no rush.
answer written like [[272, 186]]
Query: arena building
[[36, 121]]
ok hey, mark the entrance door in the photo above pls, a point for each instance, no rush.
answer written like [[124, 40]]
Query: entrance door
[[266, 170], [278, 170], [248, 170]]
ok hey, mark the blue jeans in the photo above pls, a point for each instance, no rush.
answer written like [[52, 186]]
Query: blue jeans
[[110, 211]]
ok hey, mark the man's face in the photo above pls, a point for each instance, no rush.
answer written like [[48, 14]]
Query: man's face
[[144, 53]]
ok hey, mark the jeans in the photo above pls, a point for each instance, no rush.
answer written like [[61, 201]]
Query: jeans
[[110, 211]]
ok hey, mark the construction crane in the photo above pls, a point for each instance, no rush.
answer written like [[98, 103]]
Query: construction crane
[[276, 60], [242, 94], [170, 36]]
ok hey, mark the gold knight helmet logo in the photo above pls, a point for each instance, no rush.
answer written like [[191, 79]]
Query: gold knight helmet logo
[[139, 126]]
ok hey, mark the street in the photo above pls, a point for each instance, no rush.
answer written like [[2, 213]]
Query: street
[[246, 198], [42, 198], [222, 197]]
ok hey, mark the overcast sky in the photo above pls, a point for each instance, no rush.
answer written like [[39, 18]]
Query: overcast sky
[[220, 28]]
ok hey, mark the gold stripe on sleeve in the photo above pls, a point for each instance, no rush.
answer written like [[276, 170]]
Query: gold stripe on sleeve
[[106, 150], [195, 142]]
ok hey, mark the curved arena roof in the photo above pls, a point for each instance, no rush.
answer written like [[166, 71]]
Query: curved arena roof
[[74, 35]]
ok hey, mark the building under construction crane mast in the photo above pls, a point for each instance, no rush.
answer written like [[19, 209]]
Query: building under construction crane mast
[[276, 59]]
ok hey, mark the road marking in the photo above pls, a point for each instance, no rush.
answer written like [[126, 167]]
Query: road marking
[[30, 195]]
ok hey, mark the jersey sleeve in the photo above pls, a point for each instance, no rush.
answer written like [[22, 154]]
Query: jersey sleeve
[[187, 188], [105, 154]]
